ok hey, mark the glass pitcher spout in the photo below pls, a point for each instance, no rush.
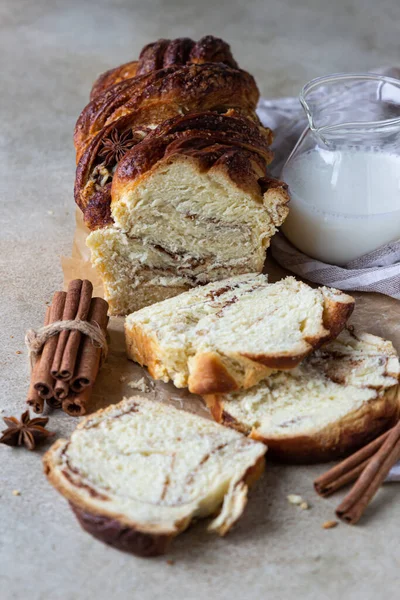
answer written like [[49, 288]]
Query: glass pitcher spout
[[351, 104]]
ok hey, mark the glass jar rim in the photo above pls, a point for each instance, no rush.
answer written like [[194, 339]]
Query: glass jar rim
[[318, 81]]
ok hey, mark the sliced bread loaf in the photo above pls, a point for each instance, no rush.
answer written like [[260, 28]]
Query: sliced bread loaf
[[137, 473], [337, 400], [231, 334], [191, 204]]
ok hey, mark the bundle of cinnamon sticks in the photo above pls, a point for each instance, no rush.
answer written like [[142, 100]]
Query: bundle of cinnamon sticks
[[66, 369], [368, 467]]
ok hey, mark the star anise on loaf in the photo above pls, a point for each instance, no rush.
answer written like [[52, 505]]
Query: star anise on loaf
[[27, 431], [115, 146]]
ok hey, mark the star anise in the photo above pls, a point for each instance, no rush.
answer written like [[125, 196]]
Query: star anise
[[115, 146], [27, 431]]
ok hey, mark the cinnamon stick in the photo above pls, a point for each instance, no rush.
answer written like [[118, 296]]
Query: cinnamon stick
[[355, 503], [76, 405], [61, 389], [34, 400], [43, 381], [53, 403], [70, 310], [349, 469], [90, 354], [67, 367]]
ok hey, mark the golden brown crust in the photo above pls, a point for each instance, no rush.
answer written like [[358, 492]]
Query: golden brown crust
[[207, 371], [335, 316], [144, 350], [281, 363], [167, 53], [207, 136], [332, 442], [162, 94], [212, 50], [181, 51], [230, 142], [113, 76]]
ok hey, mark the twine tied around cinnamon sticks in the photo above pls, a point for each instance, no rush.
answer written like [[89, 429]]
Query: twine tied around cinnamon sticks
[[36, 339], [67, 352]]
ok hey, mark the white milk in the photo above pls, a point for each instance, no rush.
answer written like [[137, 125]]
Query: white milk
[[343, 203]]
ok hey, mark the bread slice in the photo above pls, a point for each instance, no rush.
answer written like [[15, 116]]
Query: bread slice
[[233, 333], [137, 473], [335, 401]]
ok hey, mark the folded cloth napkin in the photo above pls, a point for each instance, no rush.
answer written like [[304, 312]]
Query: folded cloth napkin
[[378, 271]]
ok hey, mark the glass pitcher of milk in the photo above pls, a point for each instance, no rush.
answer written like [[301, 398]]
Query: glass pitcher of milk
[[344, 172]]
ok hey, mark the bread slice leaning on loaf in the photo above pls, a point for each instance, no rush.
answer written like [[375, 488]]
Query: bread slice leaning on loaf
[[231, 334], [338, 399], [137, 473]]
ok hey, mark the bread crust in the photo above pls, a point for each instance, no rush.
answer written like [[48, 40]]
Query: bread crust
[[181, 51], [105, 524], [113, 76], [228, 141], [144, 350], [159, 95], [128, 539], [166, 53], [335, 441]]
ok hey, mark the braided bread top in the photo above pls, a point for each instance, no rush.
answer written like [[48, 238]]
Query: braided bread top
[[167, 92], [166, 53]]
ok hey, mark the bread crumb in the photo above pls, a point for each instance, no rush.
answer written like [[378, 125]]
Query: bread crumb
[[170, 562], [18, 352], [122, 378], [50, 212], [16, 493], [11, 336], [304, 506], [295, 499], [329, 524], [140, 385]]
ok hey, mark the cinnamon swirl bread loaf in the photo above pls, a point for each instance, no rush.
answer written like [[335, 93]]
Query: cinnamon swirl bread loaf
[[171, 174], [191, 204]]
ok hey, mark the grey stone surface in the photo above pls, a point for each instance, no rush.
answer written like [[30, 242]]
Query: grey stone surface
[[51, 50]]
